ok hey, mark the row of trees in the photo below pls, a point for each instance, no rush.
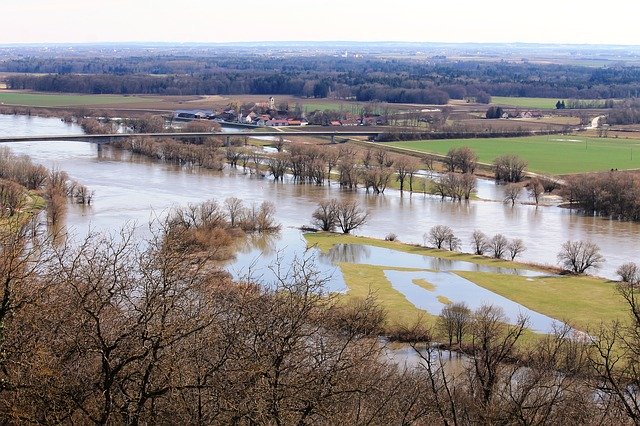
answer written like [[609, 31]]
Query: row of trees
[[498, 246], [456, 186], [574, 256], [170, 150]]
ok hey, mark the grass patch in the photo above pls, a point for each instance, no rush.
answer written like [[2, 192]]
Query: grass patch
[[554, 154], [420, 282], [63, 100], [325, 240], [537, 103], [579, 300], [444, 300], [363, 280]]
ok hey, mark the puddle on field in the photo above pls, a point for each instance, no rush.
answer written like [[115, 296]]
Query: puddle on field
[[262, 257], [451, 287], [379, 256]]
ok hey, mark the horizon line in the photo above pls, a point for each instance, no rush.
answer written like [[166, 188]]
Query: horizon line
[[311, 42]]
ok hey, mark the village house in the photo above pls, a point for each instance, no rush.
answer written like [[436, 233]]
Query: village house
[[192, 114], [277, 123]]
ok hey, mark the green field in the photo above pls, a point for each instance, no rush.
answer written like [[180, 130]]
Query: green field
[[62, 100], [537, 103], [351, 107], [555, 154], [581, 301]]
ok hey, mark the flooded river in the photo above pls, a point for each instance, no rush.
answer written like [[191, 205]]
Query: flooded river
[[133, 189]]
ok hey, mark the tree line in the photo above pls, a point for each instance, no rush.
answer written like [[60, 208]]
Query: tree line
[[320, 76]]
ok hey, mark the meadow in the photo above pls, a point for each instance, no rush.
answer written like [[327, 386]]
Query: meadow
[[554, 154], [64, 100], [581, 301], [534, 103]]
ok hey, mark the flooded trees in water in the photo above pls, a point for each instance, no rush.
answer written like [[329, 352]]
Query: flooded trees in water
[[580, 256], [454, 321], [206, 155], [455, 186], [346, 215], [536, 189], [325, 216], [612, 194], [278, 165], [463, 159], [509, 168], [350, 215], [207, 226], [511, 193]]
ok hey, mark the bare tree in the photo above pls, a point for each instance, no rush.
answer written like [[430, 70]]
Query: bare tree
[[235, 209], [479, 242], [401, 168], [580, 256], [463, 159], [628, 272], [496, 342], [498, 245], [454, 321], [535, 189], [467, 185], [412, 168], [325, 216], [509, 168], [453, 242], [13, 198], [515, 248], [350, 215], [439, 235], [511, 193]]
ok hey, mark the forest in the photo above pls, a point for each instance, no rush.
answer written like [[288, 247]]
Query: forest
[[399, 80]]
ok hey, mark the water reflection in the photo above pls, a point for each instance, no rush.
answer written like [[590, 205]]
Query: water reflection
[[349, 253], [264, 244], [379, 256]]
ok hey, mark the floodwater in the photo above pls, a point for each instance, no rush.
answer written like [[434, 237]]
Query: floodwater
[[457, 289], [131, 189], [371, 255]]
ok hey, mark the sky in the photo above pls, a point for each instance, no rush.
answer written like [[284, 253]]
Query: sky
[[211, 21]]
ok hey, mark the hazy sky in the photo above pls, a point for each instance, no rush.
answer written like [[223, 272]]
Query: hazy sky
[[540, 21]]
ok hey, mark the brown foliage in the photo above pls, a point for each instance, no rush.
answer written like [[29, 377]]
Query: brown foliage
[[614, 194]]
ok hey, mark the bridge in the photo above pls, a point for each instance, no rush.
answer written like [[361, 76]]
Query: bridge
[[108, 138]]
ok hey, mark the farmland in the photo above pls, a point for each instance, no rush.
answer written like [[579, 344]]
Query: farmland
[[59, 100], [537, 103], [545, 154]]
